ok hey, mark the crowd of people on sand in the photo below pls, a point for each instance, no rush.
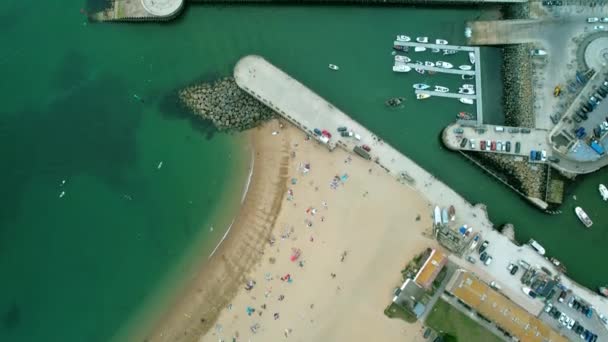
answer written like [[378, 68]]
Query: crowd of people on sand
[[311, 215]]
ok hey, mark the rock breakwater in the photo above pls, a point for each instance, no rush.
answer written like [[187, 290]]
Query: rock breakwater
[[223, 103]]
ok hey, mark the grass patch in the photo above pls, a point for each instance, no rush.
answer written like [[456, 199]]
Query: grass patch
[[396, 311], [446, 319]]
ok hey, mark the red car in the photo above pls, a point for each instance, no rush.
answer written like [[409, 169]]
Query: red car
[[482, 145], [367, 148], [326, 133], [493, 146]]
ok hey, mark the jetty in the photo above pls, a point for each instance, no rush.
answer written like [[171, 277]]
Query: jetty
[[304, 108], [451, 95], [441, 70]]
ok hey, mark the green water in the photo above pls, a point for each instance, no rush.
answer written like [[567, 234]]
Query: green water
[[79, 267]]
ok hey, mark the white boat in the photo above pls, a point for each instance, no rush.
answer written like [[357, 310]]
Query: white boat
[[472, 57], [444, 216], [430, 64], [403, 38], [420, 71], [445, 65], [419, 49], [334, 67], [465, 67], [441, 42], [475, 242], [468, 86], [62, 194], [449, 52], [160, 165], [467, 77], [582, 215], [437, 215], [537, 247], [466, 91], [466, 101], [603, 192], [401, 68], [403, 59], [422, 96], [528, 291], [421, 86], [441, 89], [435, 50], [422, 39]]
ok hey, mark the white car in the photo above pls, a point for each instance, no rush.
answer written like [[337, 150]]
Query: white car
[[593, 20], [543, 155], [472, 144], [598, 27], [570, 323], [548, 307], [488, 145]]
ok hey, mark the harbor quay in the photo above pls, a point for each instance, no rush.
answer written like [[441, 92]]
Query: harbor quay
[[305, 109]]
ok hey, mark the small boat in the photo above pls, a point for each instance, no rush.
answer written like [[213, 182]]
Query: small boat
[[422, 96], [435, 50], [160, 165], [437, 215], [464, 116], [394, 102], [444, 216], [441, 89], [403, 38], [333, 67], [452, 212], [538, 52], [62, 194], [475, 242], [582, 215], [430, 64], [444, 65], [400, 47], [603, 192], [421, 86], [449, 52], [403, 59], [419, 49], [537, 247], [466, 91], [422, 39], [528, 291], [465, 67], [441, 42], [467, 77], [468, 86], [603, 291], [420, 71], [472, 57], [401, 68], [466, 101]]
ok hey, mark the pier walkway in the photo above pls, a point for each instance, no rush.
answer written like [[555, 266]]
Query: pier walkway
[[441, 70], [307, 110], [450, 95]]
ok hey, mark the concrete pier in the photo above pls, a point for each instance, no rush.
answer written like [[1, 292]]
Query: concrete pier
[[307, 110], [450, 95], [141, 10], [441, 70]]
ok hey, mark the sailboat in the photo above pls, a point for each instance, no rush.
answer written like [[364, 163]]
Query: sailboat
[[421, 86], [466, 101], [403, 59], [422, 39], [422, 96], [401, 68], [441, 89], [403, 38]]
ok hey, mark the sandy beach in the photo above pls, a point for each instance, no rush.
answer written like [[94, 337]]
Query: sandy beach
[[321, 239]]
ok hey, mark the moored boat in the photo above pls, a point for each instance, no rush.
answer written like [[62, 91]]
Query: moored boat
[[334, 67], [449, 52], [466, 91], [427, 63], [452, 212], [537, 246], [419, 49], [465, 67], [401, 68], [441, 42], [403, 59], [437, 215], [400, 47], [528, 291], [403, 38], [422, 96], [435, 50], [441, 89], [422, 39], [466, 101], [603, 291], [603, 192], [420, 71], [467, 77], [421, 86], [464, 116], [472, 57], [468, 86], [582, 215], [475, 242], [445, 65]]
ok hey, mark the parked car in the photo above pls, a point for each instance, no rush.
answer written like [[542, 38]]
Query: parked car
[[562, 296], [472, 144], [483, 256], [604, 20], [317, 131], [508, 146], [482, 145], [326, 133], [488, 260], [593, 20], [493, 146], [484, 246], [489, 143], [463, 143], [471, 259], [548, 307], [514, 270], [598, 27], [342, 129], [499, 145], [365, 147]]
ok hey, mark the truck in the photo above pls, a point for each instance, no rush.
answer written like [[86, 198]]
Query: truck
[[362, 153], [599, 149]]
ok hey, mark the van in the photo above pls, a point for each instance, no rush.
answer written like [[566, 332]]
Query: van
[[499, 129]]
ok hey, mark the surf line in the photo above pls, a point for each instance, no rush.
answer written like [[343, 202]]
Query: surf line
[[222, 240], [246, 190]]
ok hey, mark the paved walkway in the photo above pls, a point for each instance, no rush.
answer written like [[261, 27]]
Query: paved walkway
[[307, 110]]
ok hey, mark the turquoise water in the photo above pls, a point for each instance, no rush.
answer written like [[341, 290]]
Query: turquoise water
[[77, 268]]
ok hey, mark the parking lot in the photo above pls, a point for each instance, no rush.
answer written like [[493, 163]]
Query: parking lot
[[558, 309]]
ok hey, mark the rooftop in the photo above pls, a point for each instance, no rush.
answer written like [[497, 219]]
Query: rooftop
[[429, 271]]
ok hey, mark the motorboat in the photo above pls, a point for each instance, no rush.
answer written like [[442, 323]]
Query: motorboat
[[422, 39], [603, 192], [528, 291], [421, 86], [464, 116], [419, 49], [449, 52], [401, 68], [402, 59], [466, 91], [435, 50], [62, 194], [441, 89], [475, 242], [466, 101], [441, 42], [444, 65], [159, 165], [452, 212], [582, 215], [400, 47], [468, 86], [429, 64], [472, 57], [422, 96], [444, 216], [467, 77], [420, 71], [437, 215], [537, 247], [465, 67], [334, 67], [403, 38]]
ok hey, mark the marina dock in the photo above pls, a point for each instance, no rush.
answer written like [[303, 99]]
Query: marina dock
[[451, 95], [441, 70], [307, 110]]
